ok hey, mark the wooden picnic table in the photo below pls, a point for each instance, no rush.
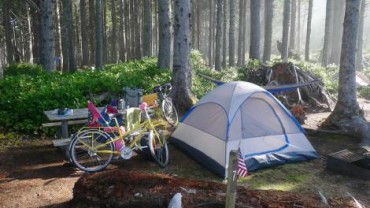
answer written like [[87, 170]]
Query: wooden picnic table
[[79, 116]]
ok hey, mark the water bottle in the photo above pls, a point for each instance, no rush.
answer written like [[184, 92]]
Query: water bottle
[[121, 105]]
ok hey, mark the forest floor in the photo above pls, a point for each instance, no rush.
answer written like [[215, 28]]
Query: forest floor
[[33, 173]]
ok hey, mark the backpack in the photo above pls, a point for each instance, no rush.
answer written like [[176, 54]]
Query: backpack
[[133, 97]]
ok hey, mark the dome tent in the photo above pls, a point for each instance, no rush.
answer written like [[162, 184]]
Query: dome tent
[[244, 116]]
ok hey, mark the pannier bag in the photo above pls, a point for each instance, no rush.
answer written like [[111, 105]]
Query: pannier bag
[[133, 97]]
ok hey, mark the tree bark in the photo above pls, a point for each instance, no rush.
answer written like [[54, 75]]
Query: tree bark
[[165, 53], [122, 32], [48, 49], [240, 32], [84, 34], [8, 32], [29, 54], [285, 36], [128, 30], [308, 36], [269, 14], [224, 39], [92, 32], [99, 35], [360, 37], [106, 51], [220, 15], [210, 35], [232, 33], [292, 25], [337, 30], [347, 114], [147, 49], [67, 13], [198, 26], [137, 27], [182, 44], [299, 28], [245, 26], [326, 51], [36, 31], [114, 32]]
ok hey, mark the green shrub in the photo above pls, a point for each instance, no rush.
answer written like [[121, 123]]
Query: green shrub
[[364, 92], [24, 69], [24, 95]]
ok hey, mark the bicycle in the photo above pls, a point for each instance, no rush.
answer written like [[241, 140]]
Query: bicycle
[[94, 147], [165, 101]]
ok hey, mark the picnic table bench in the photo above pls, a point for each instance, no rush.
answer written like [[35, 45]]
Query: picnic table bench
[[79, 116]]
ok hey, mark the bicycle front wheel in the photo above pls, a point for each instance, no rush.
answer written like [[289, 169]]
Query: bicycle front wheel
[[158, 148], [92, 150], [169, 112]]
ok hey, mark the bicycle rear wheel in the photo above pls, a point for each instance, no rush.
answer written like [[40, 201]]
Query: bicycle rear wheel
[[158, 148], [169, 112], [90, 150]]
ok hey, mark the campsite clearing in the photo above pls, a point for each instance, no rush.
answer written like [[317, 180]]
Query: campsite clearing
[[33, 173]]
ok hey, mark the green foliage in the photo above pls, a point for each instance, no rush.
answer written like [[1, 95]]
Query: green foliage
[[26, 92], [200, 85], [364, 92], [24, 69]]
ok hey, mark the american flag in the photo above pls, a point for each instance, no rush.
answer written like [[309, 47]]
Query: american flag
[[242, 168]]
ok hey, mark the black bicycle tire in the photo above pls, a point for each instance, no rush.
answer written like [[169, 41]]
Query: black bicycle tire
[[97, 167], [160, 147]]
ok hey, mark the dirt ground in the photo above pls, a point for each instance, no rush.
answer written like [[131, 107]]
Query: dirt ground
[[33, 173]]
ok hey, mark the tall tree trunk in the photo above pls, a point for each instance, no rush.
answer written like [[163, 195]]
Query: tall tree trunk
[[64, 42], [210, 39], [67, 13], [308, 36], [245, 26], [198, 26], [232, 33], [133, 17], [137, 27], [114, 32], [122, 32], [299, 28], [155, 34], [286, 21], [347, 113], [147, 49], [254, 50], [99, 34], [92, 32], [77, 36], [360, 37], [165, 52], [128, 30], [106, 43], [240, 32], [58, 35], [292, 25], [182, 44], [8, 32], [337, 30], [326, 51], [84, 34], [269, 9], [29, 54], [224, 38], [220, 15], [48, 49], [36, 31]]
